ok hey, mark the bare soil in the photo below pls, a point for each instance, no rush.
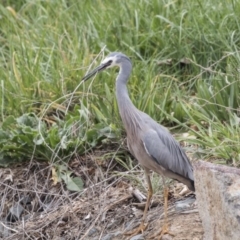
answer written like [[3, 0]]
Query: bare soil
[[105, 209]]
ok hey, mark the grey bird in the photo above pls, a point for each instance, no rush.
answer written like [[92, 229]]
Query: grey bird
[[149, 142]]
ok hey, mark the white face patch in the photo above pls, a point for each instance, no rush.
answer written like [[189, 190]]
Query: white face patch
[[113, 59]]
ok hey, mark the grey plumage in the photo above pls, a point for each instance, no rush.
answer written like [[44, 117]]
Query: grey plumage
[[149, 142]]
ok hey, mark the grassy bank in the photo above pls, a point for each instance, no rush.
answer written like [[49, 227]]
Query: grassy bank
[[186, 74]]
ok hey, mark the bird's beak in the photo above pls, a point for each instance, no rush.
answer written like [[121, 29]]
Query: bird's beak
[[96, 70]]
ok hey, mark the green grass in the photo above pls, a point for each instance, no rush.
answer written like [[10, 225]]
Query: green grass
[[46, 47]]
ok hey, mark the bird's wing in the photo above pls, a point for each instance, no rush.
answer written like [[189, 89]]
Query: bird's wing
[[164, 149]]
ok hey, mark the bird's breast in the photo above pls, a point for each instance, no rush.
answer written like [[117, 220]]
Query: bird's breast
[[138, 150]]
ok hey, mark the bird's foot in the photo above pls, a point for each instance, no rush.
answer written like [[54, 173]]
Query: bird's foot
[[140, 229], [160, 234]]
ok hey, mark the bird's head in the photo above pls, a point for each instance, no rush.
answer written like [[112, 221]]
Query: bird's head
[[112, 60]]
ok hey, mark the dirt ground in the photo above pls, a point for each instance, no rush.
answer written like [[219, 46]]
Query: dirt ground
[[107, 207]]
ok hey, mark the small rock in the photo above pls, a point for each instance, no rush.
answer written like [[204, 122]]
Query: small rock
[[25, 200], [184, 205], [137, 237], [4, 232], [118, 233], [167, 237], [93, 231], [27, 217], [109, 236], [15, 212], [131, 225]]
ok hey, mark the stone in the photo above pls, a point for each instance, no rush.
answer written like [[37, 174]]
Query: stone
[[4, 230], [93, 231], [137, 237], [15, 212], [185, 204], [218, 200], [109, 236], [118, 233]]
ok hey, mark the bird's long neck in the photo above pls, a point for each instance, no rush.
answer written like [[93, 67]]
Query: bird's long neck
[[128, 112]]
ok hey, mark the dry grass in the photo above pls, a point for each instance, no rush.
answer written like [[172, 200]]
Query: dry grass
[[105, 206]]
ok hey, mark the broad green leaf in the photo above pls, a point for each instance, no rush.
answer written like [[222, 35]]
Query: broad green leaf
[[74, 184], [9, 121]]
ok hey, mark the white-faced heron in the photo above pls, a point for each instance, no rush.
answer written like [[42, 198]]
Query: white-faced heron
[[149, 142]]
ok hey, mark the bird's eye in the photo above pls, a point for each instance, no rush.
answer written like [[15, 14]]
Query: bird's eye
[[110, 62]]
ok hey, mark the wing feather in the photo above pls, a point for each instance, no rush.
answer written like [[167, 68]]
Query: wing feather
[[167, 152]]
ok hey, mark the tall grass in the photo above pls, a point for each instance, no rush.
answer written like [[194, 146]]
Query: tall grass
[[47, 46]]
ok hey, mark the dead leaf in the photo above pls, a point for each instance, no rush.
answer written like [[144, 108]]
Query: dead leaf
[[54, 176]]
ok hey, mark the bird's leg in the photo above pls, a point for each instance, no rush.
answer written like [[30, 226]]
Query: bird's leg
[[165, 224], [142, 226], [149, 197], [164, 229]]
